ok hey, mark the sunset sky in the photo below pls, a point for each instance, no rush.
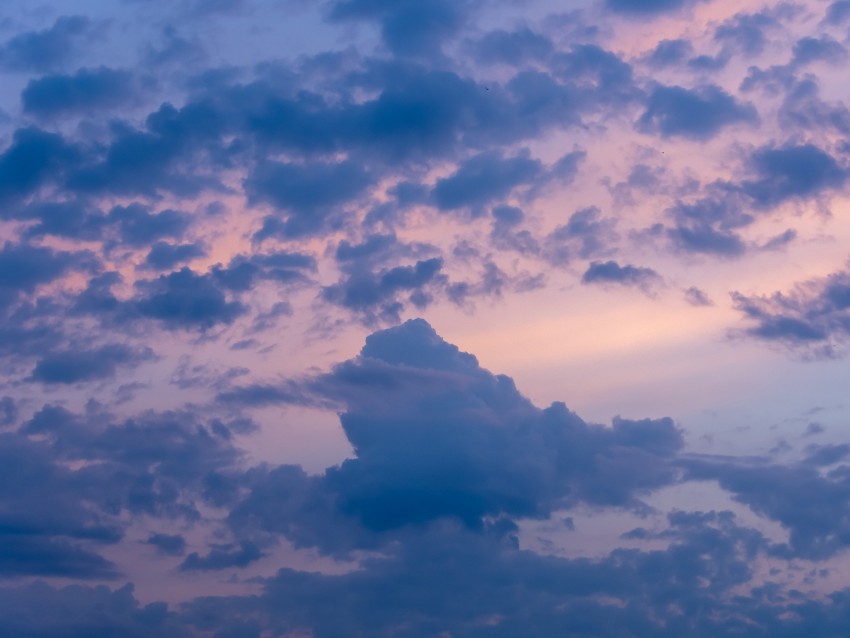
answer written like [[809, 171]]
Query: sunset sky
[[424, 318]]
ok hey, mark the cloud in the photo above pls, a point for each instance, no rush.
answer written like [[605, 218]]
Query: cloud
[[700, 237], [165, 256], [282, 267], [747, 31], [792, 171], [309, 194], [586, 231], [488, 587], [813, 507], [86, 91], [375, 295], [8, 412], [697, 297], [137, 226], [44, 51], [391, 156], [223, 557], [811, 318], [75, 366], [670, 52], [512, 47], [437, 437], [174, 152], [70, 219], [24, 267], [804, 109], [38, 609], [46, 527], [646, 7], [407, 27], [33, 159], [710, 225], [610, 272], [484, 178], [184, 299], [838, 12], [822, 49], [169, 544], [698, 114]]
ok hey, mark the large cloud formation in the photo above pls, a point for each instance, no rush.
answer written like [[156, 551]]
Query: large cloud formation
[[448, 462], [205, 206]]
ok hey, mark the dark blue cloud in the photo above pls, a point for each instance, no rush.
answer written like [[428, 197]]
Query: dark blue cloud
[[44, 51], [282, 267], [484, 178], [489, 587], [161, 465], [165, 256], [85, 92], [173, 49], [822, 49], [803, 108], [438, 437], [38, 609], [46, 527], [223, 557], [507, 236], [8, 412], [70, 219], [747, 31], [813, 507], [175, 152], [33, 159], [24, 267], [75, 366], [698, 114], [184, 299], [824, 455], [408, 27], [646, 7], [512, 47], [708, 62], [792, 171], [811, 319], [704, 238], [610, 272], [838, 12], [375, 295], [711, 224], [600, 77], [138, 226], [169, 544], [311, 194], [670, 52]]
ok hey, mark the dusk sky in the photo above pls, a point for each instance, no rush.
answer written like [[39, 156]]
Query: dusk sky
[[424, 318]]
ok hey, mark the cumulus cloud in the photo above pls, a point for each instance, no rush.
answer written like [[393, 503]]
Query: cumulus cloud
[[86, 91], [74, 366], [610, 272], [811, 318], [211, 239], [698, 114], [48, 49], [437, 437]]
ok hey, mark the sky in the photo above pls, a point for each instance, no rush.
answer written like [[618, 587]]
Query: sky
[[408, 318]]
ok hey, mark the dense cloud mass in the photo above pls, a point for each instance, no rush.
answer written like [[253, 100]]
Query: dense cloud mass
[[448, 461], [637, 208]]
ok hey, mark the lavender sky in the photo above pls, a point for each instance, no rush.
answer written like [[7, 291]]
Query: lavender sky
[[424, 318]]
